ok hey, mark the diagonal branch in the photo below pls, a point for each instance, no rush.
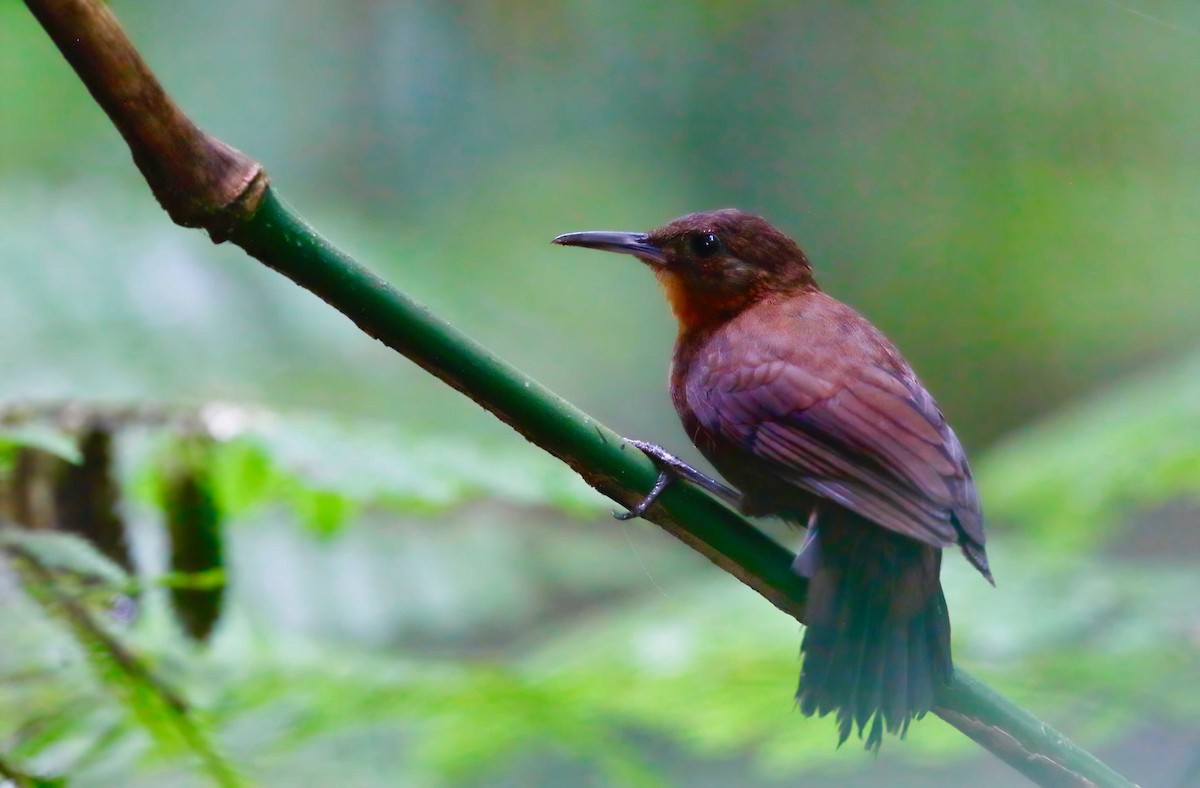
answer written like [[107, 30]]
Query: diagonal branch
[[199, 180], [202, 182]]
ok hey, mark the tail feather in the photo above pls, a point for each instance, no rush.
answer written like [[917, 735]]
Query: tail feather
[[849, 673], [870, 690], [814, 700], [877, 645], [920, 673], [896, 693]]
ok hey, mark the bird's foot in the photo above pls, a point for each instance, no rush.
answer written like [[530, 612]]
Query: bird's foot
[[671, 468]]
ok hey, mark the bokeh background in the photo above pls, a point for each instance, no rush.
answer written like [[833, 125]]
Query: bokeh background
[[1009, 190]]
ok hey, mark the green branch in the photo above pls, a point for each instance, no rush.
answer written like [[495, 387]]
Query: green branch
[[202, 182]]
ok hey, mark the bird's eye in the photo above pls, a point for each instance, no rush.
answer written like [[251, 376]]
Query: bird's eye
[[704, 244]]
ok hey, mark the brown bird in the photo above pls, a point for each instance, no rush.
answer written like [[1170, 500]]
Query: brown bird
[[813, 415]]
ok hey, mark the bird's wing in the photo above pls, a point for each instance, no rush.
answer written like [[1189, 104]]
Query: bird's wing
[[867, 436]]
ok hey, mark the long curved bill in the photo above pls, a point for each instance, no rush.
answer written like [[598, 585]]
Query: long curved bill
[[636, 244]]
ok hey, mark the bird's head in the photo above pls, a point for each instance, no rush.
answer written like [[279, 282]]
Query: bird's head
[[713, 264]]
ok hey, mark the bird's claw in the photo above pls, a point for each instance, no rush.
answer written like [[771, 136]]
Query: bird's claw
[[671, 468], [637, 510]]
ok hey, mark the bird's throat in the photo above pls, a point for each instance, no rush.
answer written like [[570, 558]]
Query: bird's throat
[[697, 309]]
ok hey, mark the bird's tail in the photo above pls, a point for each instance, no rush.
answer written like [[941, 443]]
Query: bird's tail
[[877, 643]]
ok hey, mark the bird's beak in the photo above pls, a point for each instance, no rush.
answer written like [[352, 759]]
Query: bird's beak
[[636, 244]]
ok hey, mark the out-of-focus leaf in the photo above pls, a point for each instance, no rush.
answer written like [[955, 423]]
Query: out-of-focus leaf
[[20, 779], [324, 512], [40, 436], [66, 552], [156, 706], [242, 475], [195, 529], [1069, 480], [326, 469], [87, 498], [203, 581], [379, 463], [80, 495]]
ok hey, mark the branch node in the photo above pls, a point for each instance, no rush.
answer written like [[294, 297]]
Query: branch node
[[199, 180]]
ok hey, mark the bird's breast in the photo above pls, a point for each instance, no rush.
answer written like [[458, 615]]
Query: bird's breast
[[704, 367]]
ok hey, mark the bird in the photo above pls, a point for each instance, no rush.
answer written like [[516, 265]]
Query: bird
[[813, 416]]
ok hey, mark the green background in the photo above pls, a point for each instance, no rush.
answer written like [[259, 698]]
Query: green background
[[1009, 190]]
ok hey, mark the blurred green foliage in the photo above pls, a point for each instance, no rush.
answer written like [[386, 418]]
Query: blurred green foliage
[[1007, 189], [1070, 482], [582, 660]]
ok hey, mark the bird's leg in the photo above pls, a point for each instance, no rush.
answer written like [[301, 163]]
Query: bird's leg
[[671, 468]]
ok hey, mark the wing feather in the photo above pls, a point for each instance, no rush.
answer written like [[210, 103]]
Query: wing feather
[[874, 442]]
